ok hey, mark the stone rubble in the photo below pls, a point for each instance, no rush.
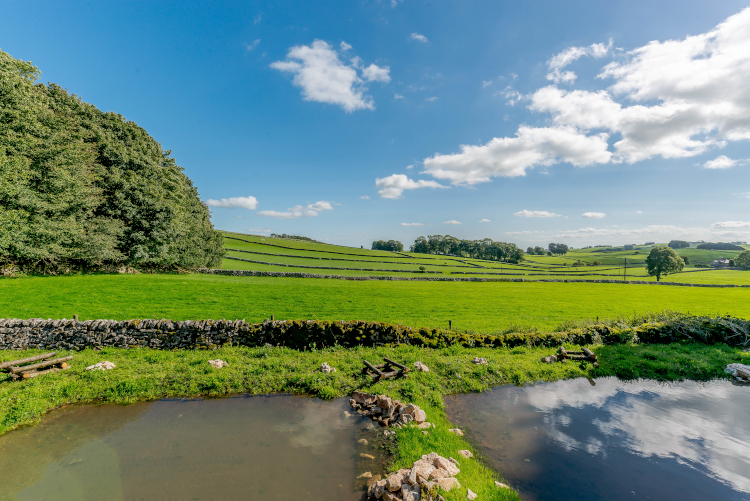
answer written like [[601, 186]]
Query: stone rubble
[[739, 371], [480, 361], [101, 366], [326, 369], [466, 454], [421, 367], [457, 432], [218, 363], [386, 411], [471, 494], [421, 482]]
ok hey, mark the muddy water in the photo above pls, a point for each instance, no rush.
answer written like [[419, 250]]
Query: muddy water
[[259, 447], [570, 440]]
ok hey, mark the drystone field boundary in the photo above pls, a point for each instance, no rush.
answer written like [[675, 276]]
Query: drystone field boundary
[[251, 273], [317, 267]]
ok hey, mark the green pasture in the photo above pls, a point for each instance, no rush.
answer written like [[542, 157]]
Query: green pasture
[[478, 306]]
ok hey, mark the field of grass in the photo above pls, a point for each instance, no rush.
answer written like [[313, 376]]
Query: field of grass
[[477, 306], [320, 258]]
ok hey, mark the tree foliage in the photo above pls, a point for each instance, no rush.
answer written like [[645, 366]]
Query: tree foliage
[[720, 246], [390, 245], [478, 249], [743, 259], [678, 244], [557, 249], [663, 261], [84, 189]]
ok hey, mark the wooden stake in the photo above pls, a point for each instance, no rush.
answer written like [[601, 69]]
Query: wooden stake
[[28, 375], [372, 367], [589, 353], [75, 317], [47, 363], [402, 367], [5, 365]]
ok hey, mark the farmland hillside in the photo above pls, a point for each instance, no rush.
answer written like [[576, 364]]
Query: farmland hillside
[[84, 189]]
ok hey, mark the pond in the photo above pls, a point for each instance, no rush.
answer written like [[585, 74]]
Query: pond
[[613, 440], [249, 447]]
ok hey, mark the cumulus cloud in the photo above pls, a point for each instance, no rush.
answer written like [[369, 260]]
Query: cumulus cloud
[[431, 99], [249, 203], [412, 224], [252, 45], [398, 96], [324, 78], [511, 156], [486, 83], [669, 99], [731, 224], [419, 38], [452, 221], [720, 162], [365, 197], [595, 215], [535, 213], [484, 221], [310, 210], [563, 59], [393, 186]]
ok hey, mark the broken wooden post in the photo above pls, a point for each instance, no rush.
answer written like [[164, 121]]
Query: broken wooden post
[[372, 367], [589, 353], [11, 363], [272, 318], [28, 375], [40, 365], [75, 317], [400, 366]]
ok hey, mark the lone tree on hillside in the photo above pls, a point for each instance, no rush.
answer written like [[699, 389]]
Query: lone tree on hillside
[[663, 261], [558, 248], [743, 259], [678, 244]]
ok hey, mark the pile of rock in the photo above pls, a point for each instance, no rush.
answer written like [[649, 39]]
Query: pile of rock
[[386, 411], [421, 482]]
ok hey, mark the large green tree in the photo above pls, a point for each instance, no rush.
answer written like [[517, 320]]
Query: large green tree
[[663, 261], [84, 189], [743, 259]]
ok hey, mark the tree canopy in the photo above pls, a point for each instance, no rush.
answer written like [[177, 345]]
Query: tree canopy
[[85, 189], [479, 249], [720, 246], [663, 261], [678, 244], [390, 245], [558, 248], [743, 259]]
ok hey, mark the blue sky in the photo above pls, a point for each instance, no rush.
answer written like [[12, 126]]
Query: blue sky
[[524, 121]]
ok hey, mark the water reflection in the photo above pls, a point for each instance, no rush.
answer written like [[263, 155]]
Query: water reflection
[[615, 440], [262, 447]]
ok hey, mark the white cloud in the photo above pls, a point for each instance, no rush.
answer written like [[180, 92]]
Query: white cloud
[[324, 78], [410, 166], [431, 99], [394, 185], [412, 224], [512, 96], [720, 162], [595, 215], [398, 96], [485, 221], [345, 46], [731, 224], [669, 231], [374, 73], [249, 203], [419, 38], [535, 213], [745, 195], [365, 197], [252, 45], [639, 212], [563, 59], [684, 98], [511, 156], [486, 83], [452, 221], [310, 210]]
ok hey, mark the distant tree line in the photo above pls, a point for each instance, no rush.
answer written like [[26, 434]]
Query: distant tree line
[[678, 244], [294, 237], [720, 246], [536, 251], [485, 248], [558, 249], [390, 245]]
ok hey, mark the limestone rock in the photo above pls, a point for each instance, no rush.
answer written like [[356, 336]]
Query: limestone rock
[[429, 491], [447, 465], [410, 492], [421, 367], [470, 494], [326, 369], [366, 474], [366, 456], [378, 488], [454, 461], [384, 402], [457, 432], [425, 425], [501, 485], [218, 363], [101, 366], [394, 481], [373, 480], [480, 361], [448, 483], [466, 454], [362, 441]]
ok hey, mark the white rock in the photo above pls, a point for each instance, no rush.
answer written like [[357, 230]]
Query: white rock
[[466, 454], [425, 425], [501, 485], [421, 367], [454, 461], [480, 361], [448, 483], [327, 369], [447, 465], [218, 363], [366, 474], [457, 432], [394, 481], [101, 366], [410, 492], [379, 488], [470, 494]]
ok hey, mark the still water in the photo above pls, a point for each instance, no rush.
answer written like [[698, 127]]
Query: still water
[[260, 447], [616, 440]]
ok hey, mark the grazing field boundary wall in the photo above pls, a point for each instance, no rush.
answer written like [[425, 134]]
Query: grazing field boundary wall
[[64, 334], [327, 267], [300, 249], [348, 260], [252, 273]]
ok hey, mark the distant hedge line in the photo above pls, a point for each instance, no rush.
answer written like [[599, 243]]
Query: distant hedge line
[[305, 334]]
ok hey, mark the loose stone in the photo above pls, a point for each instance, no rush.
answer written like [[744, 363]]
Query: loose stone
[[101, 366], [457, 432], [470, 494], [217, 364], [466, 454]]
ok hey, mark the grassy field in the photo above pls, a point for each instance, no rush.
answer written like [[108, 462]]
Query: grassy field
[[478, 306], [273, 254]]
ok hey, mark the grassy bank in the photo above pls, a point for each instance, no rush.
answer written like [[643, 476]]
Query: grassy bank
[[145, 374], [481, 307]]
